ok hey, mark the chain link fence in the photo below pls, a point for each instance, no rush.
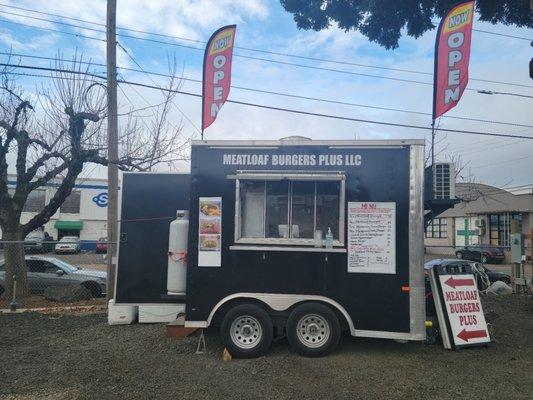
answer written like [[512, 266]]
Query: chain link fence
[[61, 274], [50, 274]]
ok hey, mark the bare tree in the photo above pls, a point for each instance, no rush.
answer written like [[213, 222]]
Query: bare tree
[[53, 134]]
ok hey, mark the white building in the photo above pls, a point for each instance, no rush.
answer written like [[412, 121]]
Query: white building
[[483, 217], [83, 214]]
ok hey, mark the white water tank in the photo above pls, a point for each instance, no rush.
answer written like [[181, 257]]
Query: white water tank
[[177, 253]]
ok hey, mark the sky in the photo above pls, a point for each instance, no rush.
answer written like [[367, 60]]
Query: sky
[[265, 25]]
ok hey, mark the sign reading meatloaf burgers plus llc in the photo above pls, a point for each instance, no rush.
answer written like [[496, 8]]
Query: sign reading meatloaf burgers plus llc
[[461, 299], [209, 232]]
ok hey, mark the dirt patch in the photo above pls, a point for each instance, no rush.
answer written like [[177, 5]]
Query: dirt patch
[[66, 357], [41, 302]]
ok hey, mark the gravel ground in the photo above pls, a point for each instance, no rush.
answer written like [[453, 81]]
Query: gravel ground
[[68, 357]]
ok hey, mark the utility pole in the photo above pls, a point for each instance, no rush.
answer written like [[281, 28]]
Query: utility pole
[[112, 146]]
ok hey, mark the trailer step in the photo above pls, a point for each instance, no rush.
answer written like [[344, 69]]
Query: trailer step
[[176, 330]]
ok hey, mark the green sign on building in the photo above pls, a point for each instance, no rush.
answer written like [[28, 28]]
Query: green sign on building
[[466, 232]]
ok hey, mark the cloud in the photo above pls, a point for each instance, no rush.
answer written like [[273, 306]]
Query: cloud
[[41, 41], [264, 25], [190, 18]]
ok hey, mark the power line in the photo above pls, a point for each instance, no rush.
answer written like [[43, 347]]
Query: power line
[[235, 55], [505, 93], [341, 62], [481, 144], [155, 83], [502, 162], [502, 34], [52, 30], [274, 108], [177, 37], [341, 117], [283, 94], [265, 59], [491, 147], [241, 48]]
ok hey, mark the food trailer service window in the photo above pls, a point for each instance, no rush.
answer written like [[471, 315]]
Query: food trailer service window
[[288, 208]]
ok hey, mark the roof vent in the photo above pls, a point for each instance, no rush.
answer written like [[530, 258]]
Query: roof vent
[[295, 137]]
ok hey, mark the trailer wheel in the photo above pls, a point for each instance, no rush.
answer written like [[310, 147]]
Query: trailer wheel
[[247, 331], [313, 330]]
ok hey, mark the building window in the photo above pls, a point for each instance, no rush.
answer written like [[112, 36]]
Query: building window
[[437, 229], [289, 211], [35, 201], [500, 228], [71, 205]]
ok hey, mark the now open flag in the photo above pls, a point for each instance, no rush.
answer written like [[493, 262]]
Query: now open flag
[[452, 55], [217, 73]]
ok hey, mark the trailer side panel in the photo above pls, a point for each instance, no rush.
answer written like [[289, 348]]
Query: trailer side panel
[[375, 301], [148, 204]]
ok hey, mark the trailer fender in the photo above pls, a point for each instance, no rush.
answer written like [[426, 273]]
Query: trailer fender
[[278, 302]]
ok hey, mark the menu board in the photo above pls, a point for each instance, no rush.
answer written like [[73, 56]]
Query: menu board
[[372, 237], [210, 232]]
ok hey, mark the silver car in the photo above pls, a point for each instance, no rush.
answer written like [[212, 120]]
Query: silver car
[[48, 271], [68, 244], [38, 242]]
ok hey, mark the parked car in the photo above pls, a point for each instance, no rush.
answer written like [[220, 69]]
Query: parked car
[[68, 244], [493, 276], [49, 271], [101, 245], [38, 242], [484, 254]]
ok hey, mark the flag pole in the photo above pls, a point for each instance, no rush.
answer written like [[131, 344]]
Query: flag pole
[[432, 158], [432, 142]]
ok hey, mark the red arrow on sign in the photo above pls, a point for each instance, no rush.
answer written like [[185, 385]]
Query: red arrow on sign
[[465, 335], [458, 282]]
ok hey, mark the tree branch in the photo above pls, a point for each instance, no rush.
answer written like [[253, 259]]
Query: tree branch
[[46, 177], [32, 171], [63, 191], [11, 129]]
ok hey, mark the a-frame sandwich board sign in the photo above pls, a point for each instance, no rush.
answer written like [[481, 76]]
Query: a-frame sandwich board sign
[[459, 311]]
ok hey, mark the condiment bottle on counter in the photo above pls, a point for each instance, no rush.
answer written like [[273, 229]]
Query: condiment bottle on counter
[[329, 239]]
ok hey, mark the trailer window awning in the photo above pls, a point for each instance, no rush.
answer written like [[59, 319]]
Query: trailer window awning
[[69, 225]]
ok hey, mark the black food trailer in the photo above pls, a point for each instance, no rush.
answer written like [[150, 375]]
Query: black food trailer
[[294, 237]]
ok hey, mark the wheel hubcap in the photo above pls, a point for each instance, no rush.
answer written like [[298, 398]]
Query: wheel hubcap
[[313, 330], [246, 332]]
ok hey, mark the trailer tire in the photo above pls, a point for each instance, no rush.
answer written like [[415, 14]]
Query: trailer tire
[[313, 330], [247, 331]]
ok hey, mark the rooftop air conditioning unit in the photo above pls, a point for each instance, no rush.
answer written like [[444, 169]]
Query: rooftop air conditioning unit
[[444, 181]]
